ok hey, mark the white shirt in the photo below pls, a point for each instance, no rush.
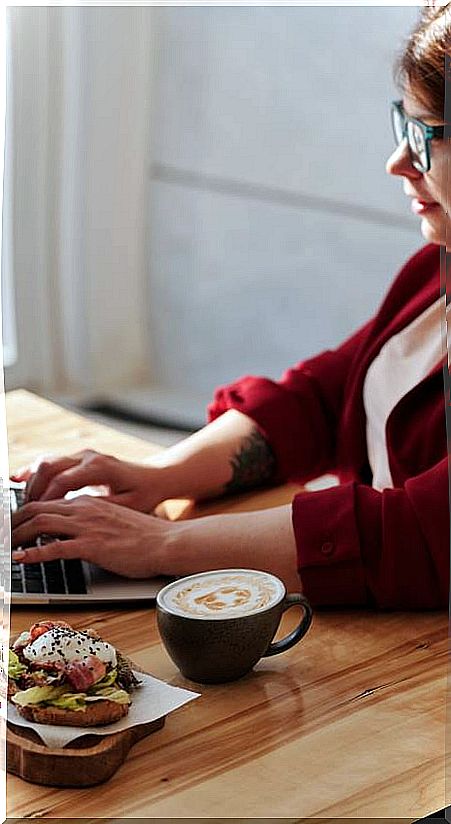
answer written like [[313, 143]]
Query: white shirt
[[402, 363]]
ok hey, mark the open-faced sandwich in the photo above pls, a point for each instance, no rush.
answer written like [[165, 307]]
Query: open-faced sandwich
[[58, 675]]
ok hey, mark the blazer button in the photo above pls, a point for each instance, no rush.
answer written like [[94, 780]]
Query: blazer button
[[327, 548]]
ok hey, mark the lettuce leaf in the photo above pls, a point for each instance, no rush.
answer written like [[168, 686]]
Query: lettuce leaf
[[107, 681], [15, 668], [70, 701], [112, 694], [59, 697], [37, 695]]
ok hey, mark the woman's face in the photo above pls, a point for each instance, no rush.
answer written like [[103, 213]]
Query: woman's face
[[431, 196]]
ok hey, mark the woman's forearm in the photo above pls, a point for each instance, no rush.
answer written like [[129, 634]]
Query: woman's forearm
[[228, 455], [255, 540]]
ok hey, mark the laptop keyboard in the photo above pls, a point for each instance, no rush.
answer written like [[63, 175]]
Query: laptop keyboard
[[61, 577]]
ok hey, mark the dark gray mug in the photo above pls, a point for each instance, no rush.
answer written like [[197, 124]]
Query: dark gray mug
[[217, 625]]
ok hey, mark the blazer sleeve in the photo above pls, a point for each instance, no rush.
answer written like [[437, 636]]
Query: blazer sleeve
[[299, 414], [390, 549]]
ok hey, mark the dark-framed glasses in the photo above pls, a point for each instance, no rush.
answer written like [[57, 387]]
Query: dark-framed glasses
[[418, 134]]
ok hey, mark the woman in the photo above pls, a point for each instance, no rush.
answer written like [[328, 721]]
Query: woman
[[372, 411]]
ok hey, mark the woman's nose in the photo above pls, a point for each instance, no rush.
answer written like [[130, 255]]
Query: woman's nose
[[399, 163]]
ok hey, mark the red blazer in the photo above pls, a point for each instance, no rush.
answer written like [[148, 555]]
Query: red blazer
[[358, 546]]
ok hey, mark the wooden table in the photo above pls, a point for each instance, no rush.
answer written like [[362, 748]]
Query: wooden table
[[350, 723]]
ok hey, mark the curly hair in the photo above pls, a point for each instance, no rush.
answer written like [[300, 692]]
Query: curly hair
[[421, 63]]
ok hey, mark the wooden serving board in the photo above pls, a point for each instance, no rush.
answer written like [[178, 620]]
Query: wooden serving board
[[84, 762]]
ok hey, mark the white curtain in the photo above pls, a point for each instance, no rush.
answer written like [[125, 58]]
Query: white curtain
[[5, 533], [78, 117]]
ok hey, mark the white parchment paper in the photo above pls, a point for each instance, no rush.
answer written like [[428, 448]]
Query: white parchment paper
[[150, 701]]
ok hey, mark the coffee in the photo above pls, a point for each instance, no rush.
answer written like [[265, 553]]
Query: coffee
[[222, 595], [217, 625]]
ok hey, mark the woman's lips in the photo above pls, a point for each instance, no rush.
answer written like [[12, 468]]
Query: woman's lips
[[419, 207]]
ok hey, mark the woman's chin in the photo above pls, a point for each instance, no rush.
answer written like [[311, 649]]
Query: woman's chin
[[434, 231]]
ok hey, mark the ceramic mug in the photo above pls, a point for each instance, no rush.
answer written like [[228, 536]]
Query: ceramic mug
[[217, 625]]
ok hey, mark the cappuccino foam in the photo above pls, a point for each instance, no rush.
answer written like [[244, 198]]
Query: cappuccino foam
[[222, 594]]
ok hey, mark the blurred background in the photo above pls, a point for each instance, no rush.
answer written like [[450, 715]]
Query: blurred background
[[192, 194]]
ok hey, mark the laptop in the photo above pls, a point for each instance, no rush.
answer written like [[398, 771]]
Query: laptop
[[72, 581]]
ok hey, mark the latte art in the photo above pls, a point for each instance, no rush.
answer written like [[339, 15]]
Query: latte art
[[223, 594]]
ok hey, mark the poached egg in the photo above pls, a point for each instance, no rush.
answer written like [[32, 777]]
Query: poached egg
[[66, 646]]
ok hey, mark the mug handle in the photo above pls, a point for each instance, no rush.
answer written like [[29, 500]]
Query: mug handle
[[299, 632]]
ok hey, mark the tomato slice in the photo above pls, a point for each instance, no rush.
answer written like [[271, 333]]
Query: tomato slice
[[44, 626]]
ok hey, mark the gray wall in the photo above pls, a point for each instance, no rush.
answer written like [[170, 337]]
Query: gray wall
[[273, 228]]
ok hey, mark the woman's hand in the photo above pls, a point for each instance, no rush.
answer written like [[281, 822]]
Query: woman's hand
[[131, 485], [113, 537], [141, 546], [226, 455]]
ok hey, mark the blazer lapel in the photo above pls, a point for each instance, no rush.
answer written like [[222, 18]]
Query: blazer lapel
[[387, 324]]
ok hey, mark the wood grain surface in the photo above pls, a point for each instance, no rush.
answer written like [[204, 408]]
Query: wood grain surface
[[348, 724]]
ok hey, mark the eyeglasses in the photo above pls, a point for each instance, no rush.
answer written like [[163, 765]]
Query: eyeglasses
[[418, 134]]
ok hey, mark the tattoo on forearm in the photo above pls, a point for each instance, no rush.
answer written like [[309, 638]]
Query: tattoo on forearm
[[254, 465]]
